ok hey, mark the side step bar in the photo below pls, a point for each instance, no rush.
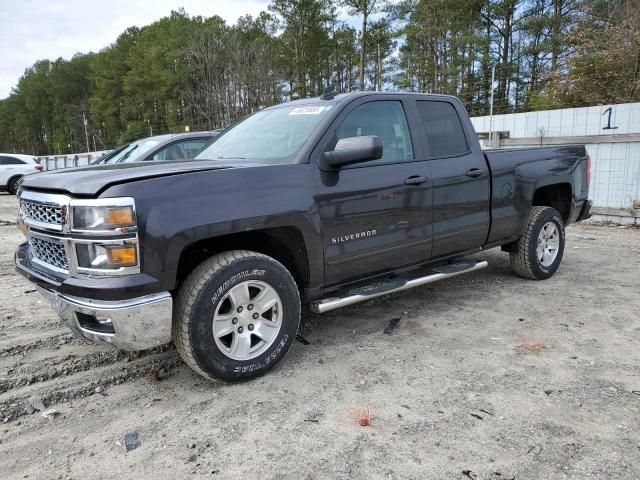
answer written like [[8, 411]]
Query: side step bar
[[395, 285]]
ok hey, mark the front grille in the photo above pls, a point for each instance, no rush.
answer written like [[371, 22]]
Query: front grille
[[49, 252], [41, 212]]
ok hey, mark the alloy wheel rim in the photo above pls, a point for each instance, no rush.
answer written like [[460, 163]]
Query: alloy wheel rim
[[247, 320], [548, 244]]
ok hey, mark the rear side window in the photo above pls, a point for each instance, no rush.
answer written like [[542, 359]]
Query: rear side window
[[442, 129], [10, 161]]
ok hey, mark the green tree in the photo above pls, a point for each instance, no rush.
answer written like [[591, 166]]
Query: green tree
[[108, 70], [363, 8], [154, 86], [605, 63], [201, 72], [305, 38], [345, 56]]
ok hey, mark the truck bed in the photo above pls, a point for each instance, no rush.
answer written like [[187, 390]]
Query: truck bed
[[517, 175]]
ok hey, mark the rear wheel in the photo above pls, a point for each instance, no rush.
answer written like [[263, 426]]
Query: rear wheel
[[13, 184], [539, 250], [236, 315]]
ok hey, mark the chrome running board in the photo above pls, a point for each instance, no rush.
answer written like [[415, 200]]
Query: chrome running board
[[397, 284]]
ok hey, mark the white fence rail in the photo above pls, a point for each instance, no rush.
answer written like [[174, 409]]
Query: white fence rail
[[55, 162]]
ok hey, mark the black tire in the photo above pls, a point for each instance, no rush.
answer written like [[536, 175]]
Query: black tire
[[200, 297], [13, 185], [524, 259]]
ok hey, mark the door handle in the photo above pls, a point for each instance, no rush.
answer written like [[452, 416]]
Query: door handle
[[415, 180], [475, 173]]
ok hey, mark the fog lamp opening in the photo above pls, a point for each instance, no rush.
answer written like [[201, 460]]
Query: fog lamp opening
[[95, 323]]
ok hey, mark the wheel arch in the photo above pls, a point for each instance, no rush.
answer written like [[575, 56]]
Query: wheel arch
[[284, 244], [556, 195]]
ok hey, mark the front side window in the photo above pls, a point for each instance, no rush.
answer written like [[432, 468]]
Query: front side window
[[384, 119], [273, 136], [442, 129]]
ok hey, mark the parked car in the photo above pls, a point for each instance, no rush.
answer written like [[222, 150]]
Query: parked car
[[178, 146], [106, 156], [326, 202], [13, 167]]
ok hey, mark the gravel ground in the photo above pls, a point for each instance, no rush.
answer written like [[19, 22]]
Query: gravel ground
[[486, 376]]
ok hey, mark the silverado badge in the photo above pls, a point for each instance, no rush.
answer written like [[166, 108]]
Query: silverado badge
[[352, 236]]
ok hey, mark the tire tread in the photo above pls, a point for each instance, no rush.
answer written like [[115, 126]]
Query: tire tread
[[520, 259]]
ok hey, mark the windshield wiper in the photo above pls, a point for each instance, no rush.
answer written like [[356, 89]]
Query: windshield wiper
[[231, 158]]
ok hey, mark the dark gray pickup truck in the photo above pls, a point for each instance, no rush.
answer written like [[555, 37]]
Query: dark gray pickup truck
[[326, 202]]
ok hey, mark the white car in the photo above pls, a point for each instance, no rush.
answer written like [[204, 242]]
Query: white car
[[13, 167]]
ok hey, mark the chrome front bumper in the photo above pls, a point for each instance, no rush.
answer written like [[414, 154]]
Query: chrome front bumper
[[135, 324]]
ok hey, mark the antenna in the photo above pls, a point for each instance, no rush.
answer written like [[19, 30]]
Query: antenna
[[329, 93]]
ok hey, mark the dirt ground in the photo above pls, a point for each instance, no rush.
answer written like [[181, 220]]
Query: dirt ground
[[486, 376]]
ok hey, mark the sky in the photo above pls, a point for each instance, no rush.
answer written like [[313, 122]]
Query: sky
[[32, 30]]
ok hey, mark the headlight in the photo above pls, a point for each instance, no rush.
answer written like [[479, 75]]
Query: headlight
[[105, 236], [103, 217]]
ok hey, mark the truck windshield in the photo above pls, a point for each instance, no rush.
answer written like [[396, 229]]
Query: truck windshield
[[271, 136]]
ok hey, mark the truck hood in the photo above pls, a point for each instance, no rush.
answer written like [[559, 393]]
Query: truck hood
[[91, 180]]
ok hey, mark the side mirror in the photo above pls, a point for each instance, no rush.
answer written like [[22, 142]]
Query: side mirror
[[352, 150]]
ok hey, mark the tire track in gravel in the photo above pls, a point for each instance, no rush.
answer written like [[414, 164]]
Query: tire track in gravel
[[49, 368], [45, 365], [55, 339], [32, 325], [83, 381]]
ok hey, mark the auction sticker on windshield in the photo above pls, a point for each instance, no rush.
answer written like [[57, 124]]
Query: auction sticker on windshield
[[307, 110]]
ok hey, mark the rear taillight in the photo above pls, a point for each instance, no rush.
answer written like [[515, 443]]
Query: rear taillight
[[39, 168], [588, 170]]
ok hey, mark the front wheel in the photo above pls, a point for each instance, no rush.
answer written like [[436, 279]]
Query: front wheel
[[539, 250], [13, 185], [236, 315]]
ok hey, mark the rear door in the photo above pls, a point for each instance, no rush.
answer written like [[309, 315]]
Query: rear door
[[375, 215], [460, 179]]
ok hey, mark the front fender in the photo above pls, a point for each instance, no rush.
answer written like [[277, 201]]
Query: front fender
[[174, 212]]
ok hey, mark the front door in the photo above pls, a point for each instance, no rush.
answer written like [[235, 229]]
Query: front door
[[375, 215]]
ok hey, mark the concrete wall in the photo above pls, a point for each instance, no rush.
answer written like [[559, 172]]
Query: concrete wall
[[611, 134]]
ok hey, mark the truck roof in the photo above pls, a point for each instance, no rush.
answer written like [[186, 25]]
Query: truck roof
[[341, 97]]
